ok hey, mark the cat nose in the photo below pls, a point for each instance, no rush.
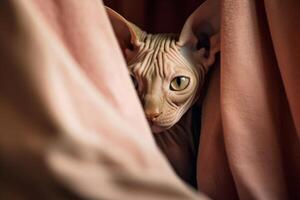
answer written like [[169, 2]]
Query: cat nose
[[152, 106], [152, 114]]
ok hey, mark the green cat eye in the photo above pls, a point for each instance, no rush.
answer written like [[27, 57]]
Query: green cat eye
[[179, 83]]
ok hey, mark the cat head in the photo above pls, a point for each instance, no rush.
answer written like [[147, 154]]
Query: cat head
[[168, 69]]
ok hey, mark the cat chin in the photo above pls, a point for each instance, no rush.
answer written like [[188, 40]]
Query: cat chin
[[157, 129]]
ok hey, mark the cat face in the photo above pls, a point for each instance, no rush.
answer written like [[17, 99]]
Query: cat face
[[165, 80], [167, 69]]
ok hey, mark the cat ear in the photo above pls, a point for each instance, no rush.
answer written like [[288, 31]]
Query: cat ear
[[201, 31], [129, 35]]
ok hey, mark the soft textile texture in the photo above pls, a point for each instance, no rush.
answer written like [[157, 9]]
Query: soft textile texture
[[249, 147], [72, 127], [71, 124]]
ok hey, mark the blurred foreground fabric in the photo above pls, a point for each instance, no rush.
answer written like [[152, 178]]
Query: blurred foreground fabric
[[71, 126]]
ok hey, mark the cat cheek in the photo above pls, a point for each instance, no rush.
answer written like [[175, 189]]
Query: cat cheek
[[179, 100]]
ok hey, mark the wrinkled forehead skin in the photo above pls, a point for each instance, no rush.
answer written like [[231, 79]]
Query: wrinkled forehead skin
[[157, 61]]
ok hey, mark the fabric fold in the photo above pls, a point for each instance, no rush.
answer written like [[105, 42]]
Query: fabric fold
[[71, 124]]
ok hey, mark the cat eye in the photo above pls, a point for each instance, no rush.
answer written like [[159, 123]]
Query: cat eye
[[135, 83], [179, 83]]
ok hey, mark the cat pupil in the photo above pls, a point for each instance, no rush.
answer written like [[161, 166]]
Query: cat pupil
[[178, 80]]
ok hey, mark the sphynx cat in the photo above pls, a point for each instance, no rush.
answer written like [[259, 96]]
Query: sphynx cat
[[168, 71]]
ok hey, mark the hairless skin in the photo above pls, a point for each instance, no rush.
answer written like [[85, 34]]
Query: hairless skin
[[168, 70]]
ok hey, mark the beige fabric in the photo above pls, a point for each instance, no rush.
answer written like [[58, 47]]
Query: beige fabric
[[249, 147], [71, 125]]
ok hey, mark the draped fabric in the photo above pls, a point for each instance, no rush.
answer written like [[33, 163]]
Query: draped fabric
[[249, 147], [71, 126]]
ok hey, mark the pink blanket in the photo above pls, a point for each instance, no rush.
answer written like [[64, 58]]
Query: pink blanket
[[72, 127]]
